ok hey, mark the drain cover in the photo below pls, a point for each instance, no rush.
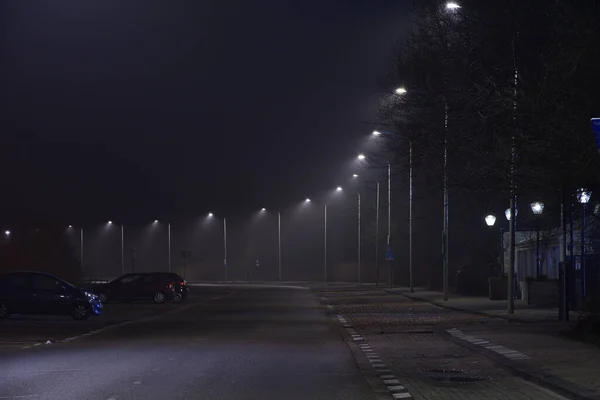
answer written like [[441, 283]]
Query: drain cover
[[458, 378], [444, 371]]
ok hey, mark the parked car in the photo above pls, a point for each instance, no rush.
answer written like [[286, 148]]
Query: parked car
[[41, 293], [155, 286]]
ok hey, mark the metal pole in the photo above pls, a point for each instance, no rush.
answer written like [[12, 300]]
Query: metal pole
[[358, 248], [325, 251], [225, 249], [122, 252], [81, 249], [410, 218], [169, 237], [511, 238], [279, 242], [445, 229], [501, 261], [583, 274], [565, 271], [377, 239], [537, 252], [390, 277]]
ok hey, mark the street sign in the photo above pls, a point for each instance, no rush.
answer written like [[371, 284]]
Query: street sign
[[389, 254], [596, 128]]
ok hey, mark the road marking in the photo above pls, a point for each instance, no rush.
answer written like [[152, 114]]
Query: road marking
[[504, 351], [392, 384]]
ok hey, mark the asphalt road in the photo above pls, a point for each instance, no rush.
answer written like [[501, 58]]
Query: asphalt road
[[226, 343]]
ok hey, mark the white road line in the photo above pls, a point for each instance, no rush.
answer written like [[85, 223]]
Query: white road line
[[404, 395], [391, 381], [387, 376], [396, 388]]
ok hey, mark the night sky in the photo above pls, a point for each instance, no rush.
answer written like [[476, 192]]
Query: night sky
[[144, 108]]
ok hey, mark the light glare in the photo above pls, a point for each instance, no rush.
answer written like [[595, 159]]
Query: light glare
[[339, 189], [307, 200], [7, 233], [361, 156], [354, 175], [210, 214], [263, 209], [583, 196], [490, 220], [110, 222], [400, 90], [537, 207], [376, 133], [452, 6]]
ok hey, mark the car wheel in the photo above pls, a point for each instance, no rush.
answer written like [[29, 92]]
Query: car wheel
[[159, 297], [103, 297], [80, 312], [4, 310], [177, 298]]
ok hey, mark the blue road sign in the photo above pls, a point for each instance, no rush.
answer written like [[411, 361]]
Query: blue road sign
[[596, 128], [389, 254]]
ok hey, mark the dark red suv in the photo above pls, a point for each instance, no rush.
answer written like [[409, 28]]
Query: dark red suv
[[155, 286]]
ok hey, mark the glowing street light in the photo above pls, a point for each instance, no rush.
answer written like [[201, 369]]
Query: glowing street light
[[339, 189], [376, 133], [452, 5], [400, 90], [361, 157], [210, 214], [70, 226], [507, 213], [7, 233], [307, 200], [156, 221], [109, 222], [263, 209], [355, 175], [537, 207], [490, 220], [583, 196]]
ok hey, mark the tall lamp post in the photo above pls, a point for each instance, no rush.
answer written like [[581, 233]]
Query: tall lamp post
[[583, 197], [401, 91], [511, 271], [537, 208], [490, 220]]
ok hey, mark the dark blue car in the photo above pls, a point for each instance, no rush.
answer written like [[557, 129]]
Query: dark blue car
[[41, 293]]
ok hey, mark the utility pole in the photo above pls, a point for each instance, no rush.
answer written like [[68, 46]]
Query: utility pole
[[122, 252], [390, 272], [225, 249], [325, 247], [377, 239], [445, 229], [358, 247], [169, 240], [410, 217], [279, 242]]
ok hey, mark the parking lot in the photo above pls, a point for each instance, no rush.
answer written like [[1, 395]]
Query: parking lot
[[25, 331]]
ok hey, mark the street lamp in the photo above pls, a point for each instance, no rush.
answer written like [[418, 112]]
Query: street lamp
[[263, 209], [376, 133], [490, 220], [507, 213], [109, 222], [210, 215], [537, 208], [583, 197], [307, 200], [7, 233], [452, 6], [361, 157], [339, 189], [400, 90], [355, 175]]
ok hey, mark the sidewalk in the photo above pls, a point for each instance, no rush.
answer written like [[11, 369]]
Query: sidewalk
[[419, 320], [482, 305]]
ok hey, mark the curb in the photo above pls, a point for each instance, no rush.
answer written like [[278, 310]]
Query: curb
[[551, 382], [474, 312]]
